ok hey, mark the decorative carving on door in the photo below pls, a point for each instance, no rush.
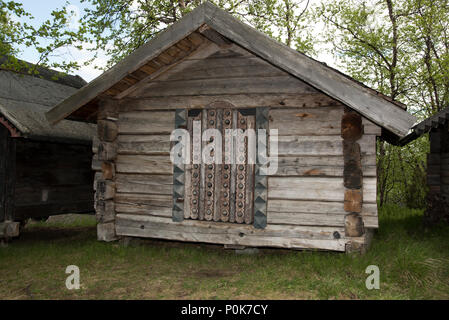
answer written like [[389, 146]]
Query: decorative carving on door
[[224, 191]]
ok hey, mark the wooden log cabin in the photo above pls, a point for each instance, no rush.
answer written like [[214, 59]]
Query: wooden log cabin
[[44, 170], [437, 126], [209, 68]]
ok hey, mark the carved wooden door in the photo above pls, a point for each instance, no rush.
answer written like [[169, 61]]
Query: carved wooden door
[[213, 191]]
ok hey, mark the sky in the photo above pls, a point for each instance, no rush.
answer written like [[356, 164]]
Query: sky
[[41, 10]]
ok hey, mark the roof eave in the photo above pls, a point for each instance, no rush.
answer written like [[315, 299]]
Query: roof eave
[[151, 49], [379, 110], [330, 82]]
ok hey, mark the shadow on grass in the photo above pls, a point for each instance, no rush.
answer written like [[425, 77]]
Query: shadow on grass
[[413, 261]]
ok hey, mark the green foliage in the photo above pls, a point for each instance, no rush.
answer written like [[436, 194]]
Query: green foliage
[[120, 27], [17, 29], [402, 173], [400, 48]]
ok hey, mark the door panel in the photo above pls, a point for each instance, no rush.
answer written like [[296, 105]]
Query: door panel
[[220, 192]]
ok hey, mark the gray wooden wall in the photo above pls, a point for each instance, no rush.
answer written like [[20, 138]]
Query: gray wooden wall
[[305, 197]]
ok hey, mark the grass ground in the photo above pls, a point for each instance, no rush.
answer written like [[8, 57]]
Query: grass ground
[[413, 263]]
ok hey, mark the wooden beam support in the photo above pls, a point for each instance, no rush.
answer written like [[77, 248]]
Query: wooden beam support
[[104, 164], [351, 131], [214, 36], [9, 229]]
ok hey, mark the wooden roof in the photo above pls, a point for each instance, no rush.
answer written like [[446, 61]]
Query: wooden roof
[[45, 73], [209, 21], [24, 99], [436, 121]]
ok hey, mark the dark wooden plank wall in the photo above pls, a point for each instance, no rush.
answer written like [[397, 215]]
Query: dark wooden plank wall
[[52, 179], [7, 174], [445, 160], [438, 175]]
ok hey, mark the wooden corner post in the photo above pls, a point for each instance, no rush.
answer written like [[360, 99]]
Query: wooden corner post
[[351, 132], [105, 154]]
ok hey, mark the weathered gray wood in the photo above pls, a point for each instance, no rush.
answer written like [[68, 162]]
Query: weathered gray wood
[[107, 130], [316, 188], [144, 144], [307, 121], [214, 36], [108, 109], [322, 161], [105, 211], [313, 219], [292, 206], [96, 164], [306, 188], [95, 143], [154, 122], [227, 67], [144, 164], [278, 84], [144, 204], [107, 151], [320, 145], [369, 190], [105, 190], [216, 232], [144, 183], [246, 100], [371, 128], [98, 176], [306, 219], [319, 171], [313, 121], [106, 232]]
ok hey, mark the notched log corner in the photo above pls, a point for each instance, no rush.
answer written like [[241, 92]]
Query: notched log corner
[[354, 225]]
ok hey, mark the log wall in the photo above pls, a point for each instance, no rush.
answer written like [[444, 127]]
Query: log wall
[[306, 197], [438, 175], [7, 175], [40, 179], [52, 178]]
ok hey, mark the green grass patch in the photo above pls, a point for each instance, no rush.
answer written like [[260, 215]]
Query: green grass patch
[[413, 262]]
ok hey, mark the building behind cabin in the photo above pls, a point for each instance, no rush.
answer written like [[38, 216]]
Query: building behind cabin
[[44, 170], [437, 164]]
